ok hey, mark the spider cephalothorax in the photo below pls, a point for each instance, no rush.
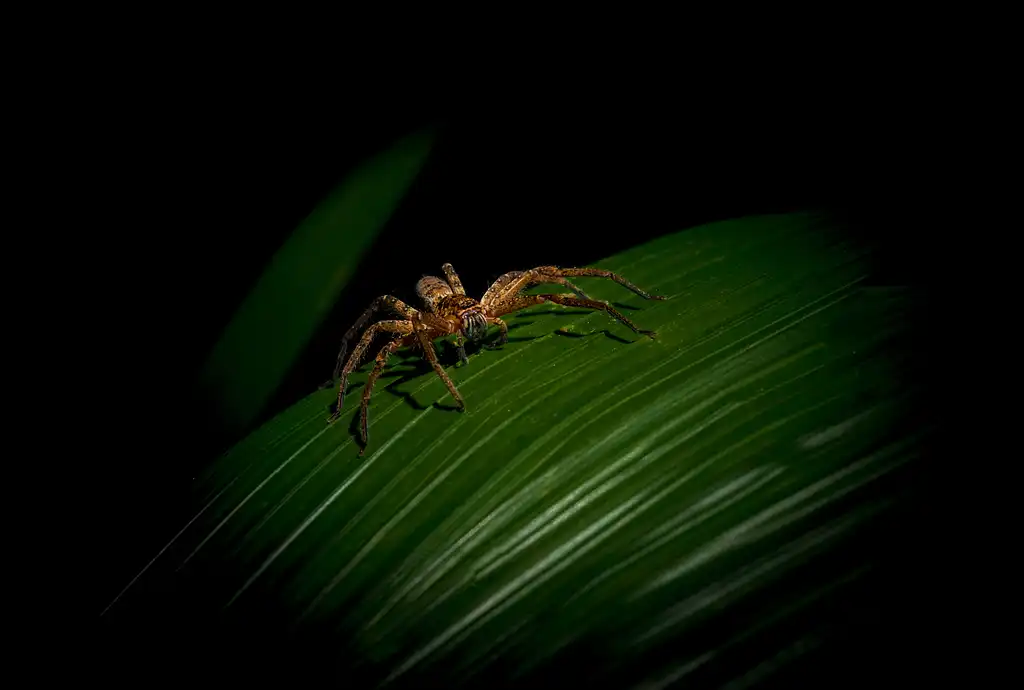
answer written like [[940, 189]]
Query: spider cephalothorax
[[449, 311], [464, 312]]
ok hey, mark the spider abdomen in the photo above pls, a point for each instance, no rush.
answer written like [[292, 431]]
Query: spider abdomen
[[432, 290]]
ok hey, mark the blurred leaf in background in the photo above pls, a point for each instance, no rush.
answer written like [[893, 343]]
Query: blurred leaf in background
[[702, 507], [295, 293]]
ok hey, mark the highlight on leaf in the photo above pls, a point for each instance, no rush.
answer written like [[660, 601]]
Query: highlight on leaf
[[642, 511]]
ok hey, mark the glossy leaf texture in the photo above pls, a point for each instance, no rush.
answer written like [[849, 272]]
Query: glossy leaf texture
[[609, 507]]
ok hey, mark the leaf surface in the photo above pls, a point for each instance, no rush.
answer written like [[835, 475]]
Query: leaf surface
[[605, 497]]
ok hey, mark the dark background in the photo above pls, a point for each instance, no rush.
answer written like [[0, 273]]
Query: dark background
[[213, 184]]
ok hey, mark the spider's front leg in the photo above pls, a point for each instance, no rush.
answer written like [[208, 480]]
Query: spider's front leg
[[425, 336], [401, 328], [460, 348], [382, 303], [502, 337], [381, 361], [508, 286]]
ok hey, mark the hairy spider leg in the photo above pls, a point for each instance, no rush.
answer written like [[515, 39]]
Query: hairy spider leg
[[553, 274], [397, 327], [456, 285], [453, 279], [524, 301], [382, 360], [499, 289], [502, 337], [460, 349], [601, 273], [431, 355], [382, 303]]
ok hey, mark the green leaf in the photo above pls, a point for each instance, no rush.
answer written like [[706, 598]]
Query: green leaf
[[303, 281], [604, 497]]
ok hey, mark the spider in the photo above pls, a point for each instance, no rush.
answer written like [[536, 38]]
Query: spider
[[449, 311]]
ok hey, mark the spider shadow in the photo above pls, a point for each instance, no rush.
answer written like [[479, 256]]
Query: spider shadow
[[580, 312], [567, 311], [408, 365], [606, 333], [419, 367]]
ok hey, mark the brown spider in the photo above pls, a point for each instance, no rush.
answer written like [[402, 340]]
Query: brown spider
[[449, 311]]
